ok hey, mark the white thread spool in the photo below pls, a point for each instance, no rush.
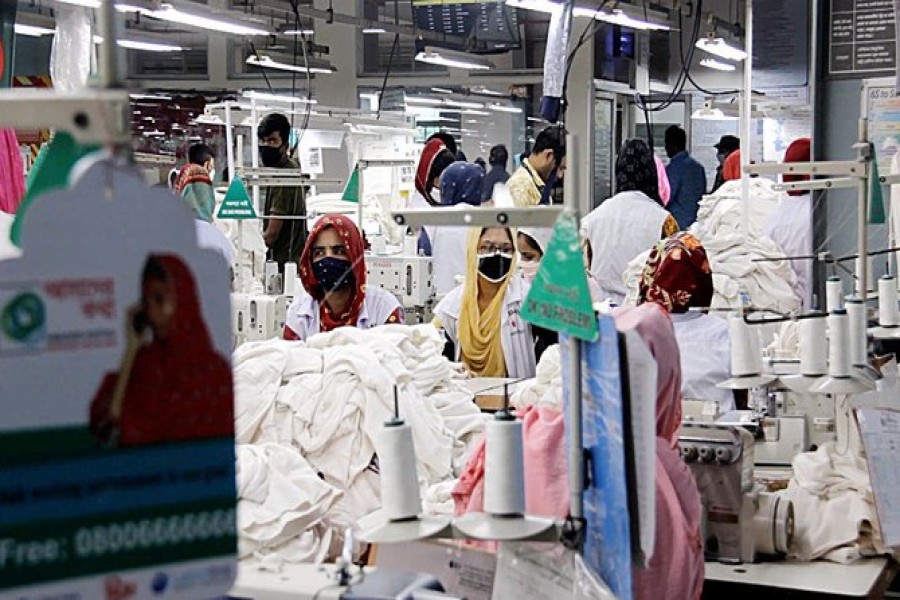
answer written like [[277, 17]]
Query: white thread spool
[[858, 340], [291, 283], [271, 278], [746, 360], [834, 292], [839, 364], [504, 469], [813, 347], [410, 245], [888, 313], [399, 483], [870, 278]]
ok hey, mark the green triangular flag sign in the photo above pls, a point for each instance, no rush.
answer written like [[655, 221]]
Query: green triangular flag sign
[[876, 198], [559, 298], [351, 190], [237, 204]]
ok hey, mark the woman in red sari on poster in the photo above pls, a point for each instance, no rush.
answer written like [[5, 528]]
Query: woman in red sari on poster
[[174, 387]]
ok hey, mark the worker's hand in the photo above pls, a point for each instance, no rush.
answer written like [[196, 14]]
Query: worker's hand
[[135, 326]]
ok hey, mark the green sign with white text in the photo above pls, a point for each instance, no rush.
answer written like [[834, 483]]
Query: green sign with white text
[[237, 204]]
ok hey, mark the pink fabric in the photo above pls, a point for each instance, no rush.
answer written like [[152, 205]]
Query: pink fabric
[[665, 190], [546, 472], [12, 175], [676, 569]]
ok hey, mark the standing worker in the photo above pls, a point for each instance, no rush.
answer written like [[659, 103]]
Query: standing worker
[[727, 144], [284, 237], [498, 159], [532, 183], [687, 178], [460, 184]]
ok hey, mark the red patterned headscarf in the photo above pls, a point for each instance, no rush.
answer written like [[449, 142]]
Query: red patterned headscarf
[[191, 173], [677, 275], [353, 242], [797, 151], [423, 182]]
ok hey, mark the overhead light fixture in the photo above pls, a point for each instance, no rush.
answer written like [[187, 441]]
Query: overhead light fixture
[[618, 17], [478, 113], [487, 92], [463, 104], [719, 47], [423, 100], [267, 62], [454, 59], [149, 97], [373, 30], [149, 46], [544, 6], [441, 90], [32, 30], [711, 63], [265, 97], [210, 21], [87, 3], [298, 32], [505, 109]]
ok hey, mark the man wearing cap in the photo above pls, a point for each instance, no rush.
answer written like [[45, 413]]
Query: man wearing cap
[[727, 144]]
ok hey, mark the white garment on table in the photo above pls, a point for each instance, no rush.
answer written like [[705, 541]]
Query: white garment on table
[[209, 236], [7, 248], [448, 252], [515, 332], [790, 226], [303, 314], [705, 348], [546, 387], [619, 229]]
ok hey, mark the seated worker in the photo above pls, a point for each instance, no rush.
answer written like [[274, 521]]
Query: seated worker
[[677, 276], [481, 317], [532, 245], [333, 273], [460, 184]]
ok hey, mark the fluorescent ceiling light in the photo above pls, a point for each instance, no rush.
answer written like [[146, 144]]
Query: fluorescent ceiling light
[[149, 46], [423, 100], [452, 58], [617, 17], [486, 92], [720, 48], [32, 30], [505, 109], [480, 113], [463, 104], [373, 30], [149, 97], [209, 119], [278, 98], [544, 6], [297, 32], [708, 113], [441, 90], [211, 21], [711, 63], [88, 3], [267, 62]]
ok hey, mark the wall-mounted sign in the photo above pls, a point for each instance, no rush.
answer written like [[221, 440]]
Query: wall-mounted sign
[[861, 37]]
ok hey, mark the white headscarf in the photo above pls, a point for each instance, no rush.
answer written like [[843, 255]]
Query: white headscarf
[[541, 235]]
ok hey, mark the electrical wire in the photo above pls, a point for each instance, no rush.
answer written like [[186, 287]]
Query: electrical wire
[[387, 74], [581, 41], [263, 69]]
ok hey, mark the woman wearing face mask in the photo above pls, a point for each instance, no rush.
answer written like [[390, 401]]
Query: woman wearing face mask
[[481, 318], [532, 244], [333, 273]]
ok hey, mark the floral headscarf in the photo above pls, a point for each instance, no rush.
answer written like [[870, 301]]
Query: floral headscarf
[[677, 275], [435, 151], [636, 169], [461, 184], [195, 186]]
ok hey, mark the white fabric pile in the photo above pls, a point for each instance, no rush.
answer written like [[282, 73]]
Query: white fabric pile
[[769, 285], [546, 388], [306, 419]]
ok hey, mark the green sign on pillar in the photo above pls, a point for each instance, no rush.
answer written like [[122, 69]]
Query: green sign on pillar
[[237, 204], [559, 298]]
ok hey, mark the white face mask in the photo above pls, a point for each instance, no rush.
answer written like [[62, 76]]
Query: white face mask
[[529, 269], [212, 175]]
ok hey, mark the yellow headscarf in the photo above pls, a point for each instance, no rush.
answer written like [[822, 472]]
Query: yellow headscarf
[[479, 333]]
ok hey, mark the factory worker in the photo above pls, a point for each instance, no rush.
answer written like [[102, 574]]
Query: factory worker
[[434, 159], [460, 185], [173, 386], [628, 223], [482, 316], [676, 569], [333, 273], [731, 168], [532, 245], [790, 225], [677, 276]]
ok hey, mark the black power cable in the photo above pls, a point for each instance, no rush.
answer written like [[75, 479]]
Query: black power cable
[[387, 73]]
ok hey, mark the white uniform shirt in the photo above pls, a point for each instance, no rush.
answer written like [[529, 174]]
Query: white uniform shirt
[[790, 226], [448, 252], [619, 229], [303, 314], [515, 333], [705, 348]]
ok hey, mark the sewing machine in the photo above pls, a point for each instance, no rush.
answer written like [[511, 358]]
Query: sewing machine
[[409, 278], [740, 521], [257, 317]]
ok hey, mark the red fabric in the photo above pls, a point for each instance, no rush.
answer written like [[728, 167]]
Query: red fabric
[[677, 274], [731, 169], [179, 388], [676, 569], [355, 246], [429, 153], [191, 173], [798, 151], [12, 174]]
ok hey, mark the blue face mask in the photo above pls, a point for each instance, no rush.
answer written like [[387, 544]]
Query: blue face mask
[[333, 273]]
